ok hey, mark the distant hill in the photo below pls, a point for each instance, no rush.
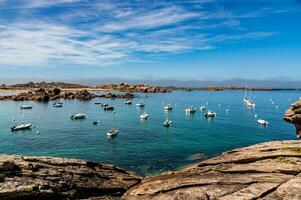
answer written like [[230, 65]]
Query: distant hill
[[43, 84]]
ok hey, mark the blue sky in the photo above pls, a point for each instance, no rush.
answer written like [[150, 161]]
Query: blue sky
[[178, 40]]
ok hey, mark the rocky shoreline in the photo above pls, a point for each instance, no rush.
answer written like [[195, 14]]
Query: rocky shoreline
[[45, 95], [269, 171]]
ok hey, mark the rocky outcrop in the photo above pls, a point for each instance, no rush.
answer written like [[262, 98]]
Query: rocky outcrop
[[61, 178], [123, 87], [293, 115], [112, 95], [54, 94], [42, 84], [264, 171]]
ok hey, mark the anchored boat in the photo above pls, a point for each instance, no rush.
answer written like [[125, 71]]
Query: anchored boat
[[190, 109], [144, 116], [113, 131], [128, 102], [79, 116], [57, 105], [140, 105], [26, 107], [263, 122], [167, 123], [168, 107], [210, 114], [21, 127]]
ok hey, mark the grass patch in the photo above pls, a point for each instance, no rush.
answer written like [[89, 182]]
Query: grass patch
[[295, 149], [285, 160]]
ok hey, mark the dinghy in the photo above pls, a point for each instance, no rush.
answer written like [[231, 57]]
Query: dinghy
[[112, 132], [108, 107], [128, 102], [57, 105], [202, 108]]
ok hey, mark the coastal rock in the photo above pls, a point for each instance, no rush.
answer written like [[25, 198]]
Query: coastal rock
[[23, 177], [122, 87], [269, 170], [84, 95], [112, 95], [293, 115]]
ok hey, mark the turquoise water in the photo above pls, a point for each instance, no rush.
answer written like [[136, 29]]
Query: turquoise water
[[146, 147]]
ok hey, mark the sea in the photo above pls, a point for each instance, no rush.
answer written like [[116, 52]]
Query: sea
[[146, 146]]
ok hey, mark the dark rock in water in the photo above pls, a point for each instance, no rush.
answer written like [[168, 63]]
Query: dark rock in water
[[264, 171], [84, 95], [61, 178], [293, 115]]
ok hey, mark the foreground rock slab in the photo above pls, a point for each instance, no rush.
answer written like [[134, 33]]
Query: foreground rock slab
[[267, 171], [61, 178]]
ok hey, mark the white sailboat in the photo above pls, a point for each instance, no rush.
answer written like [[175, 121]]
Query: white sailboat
[[190, 109], [113, 131], [167, 107], [144, 116], [140, 105]]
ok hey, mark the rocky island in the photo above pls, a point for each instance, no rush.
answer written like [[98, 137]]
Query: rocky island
[[267, 171]]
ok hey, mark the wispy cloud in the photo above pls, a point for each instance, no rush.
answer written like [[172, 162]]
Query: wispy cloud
[[110, 32]]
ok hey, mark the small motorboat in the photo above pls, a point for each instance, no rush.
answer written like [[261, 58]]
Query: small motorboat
[[95, 122], [190, 109], [263, 122], [251, 104], [168, 107], [21, 127], [140, 105], [112, 132], [128, 102], [144, 116], [202, 108], [26, 107], [97, 103], [108, 107], [57, 105], [167, 123], [210, 114], [79, 116], [104, 104]]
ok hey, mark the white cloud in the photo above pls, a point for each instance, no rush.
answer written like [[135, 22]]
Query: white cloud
[[107, 33]]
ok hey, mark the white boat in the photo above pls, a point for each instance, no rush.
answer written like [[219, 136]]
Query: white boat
[[128, 102], [26, 107], [263, 122], [251, 104], [210, 114], [168, 107], [112, 132], [140, 105], [57, 105], [79, 116], [21, 127], [202, 108], [144, 116], [108, 107], [167, 123], [190, 109], [245, 100]]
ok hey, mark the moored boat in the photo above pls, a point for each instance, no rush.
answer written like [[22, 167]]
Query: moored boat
[[144, 116], [21, 127], [263, 122], [79, 116], [112, 132], [190, 109], [108, 107], [168, 107], [140, 105], [26, 107], [167, 123], [202, 108], [128, 102], [210, 114], [57, 105]]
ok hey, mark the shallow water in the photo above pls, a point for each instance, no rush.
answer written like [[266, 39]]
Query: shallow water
[[147, 147]]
